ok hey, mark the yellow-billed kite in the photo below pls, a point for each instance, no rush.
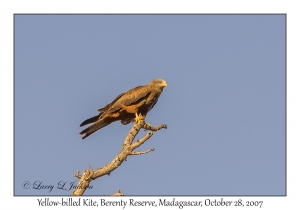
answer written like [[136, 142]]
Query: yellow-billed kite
[[128, 106]]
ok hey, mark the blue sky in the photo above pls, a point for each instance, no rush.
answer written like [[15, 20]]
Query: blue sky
[[224, 105]]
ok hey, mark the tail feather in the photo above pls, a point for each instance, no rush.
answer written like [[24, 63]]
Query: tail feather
[[93, 128], [90, 120]]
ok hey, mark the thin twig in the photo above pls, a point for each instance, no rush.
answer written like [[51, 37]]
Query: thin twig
[[147, 126], [141, 153]]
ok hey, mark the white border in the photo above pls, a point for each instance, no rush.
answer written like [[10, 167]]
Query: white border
[[8, 8]]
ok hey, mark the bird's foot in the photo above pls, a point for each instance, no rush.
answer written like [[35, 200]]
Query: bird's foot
[[139, 118]]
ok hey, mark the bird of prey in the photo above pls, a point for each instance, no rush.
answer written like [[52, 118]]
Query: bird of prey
[[133, 104]]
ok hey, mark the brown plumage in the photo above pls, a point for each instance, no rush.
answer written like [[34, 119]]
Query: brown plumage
[[136, 101]]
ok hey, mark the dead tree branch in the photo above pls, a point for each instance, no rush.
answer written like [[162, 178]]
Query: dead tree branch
[[128, 147], [118, 193]]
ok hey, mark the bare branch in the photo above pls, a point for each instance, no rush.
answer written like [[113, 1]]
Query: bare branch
[[147, 126], [141, 141], [128, 147], [118, 193], [84, 182], [141, 153], [77, 174], [132, 133]]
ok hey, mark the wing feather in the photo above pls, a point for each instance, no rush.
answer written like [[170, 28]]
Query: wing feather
[[107, 106], [131, 97]]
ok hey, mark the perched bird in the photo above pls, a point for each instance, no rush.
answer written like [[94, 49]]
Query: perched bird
[[133, 104]]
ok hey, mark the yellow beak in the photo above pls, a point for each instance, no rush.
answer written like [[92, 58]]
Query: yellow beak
[[165, 84]]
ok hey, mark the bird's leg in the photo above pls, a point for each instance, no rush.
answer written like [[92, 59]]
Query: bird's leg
[[139, 118], [145, 125]]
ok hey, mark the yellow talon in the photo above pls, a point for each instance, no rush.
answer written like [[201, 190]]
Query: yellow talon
[[138, 118]]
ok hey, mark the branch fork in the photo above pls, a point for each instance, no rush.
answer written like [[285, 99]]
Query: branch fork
[[127, 150]]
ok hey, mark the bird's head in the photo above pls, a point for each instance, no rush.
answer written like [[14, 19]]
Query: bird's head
[[160, 83]]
